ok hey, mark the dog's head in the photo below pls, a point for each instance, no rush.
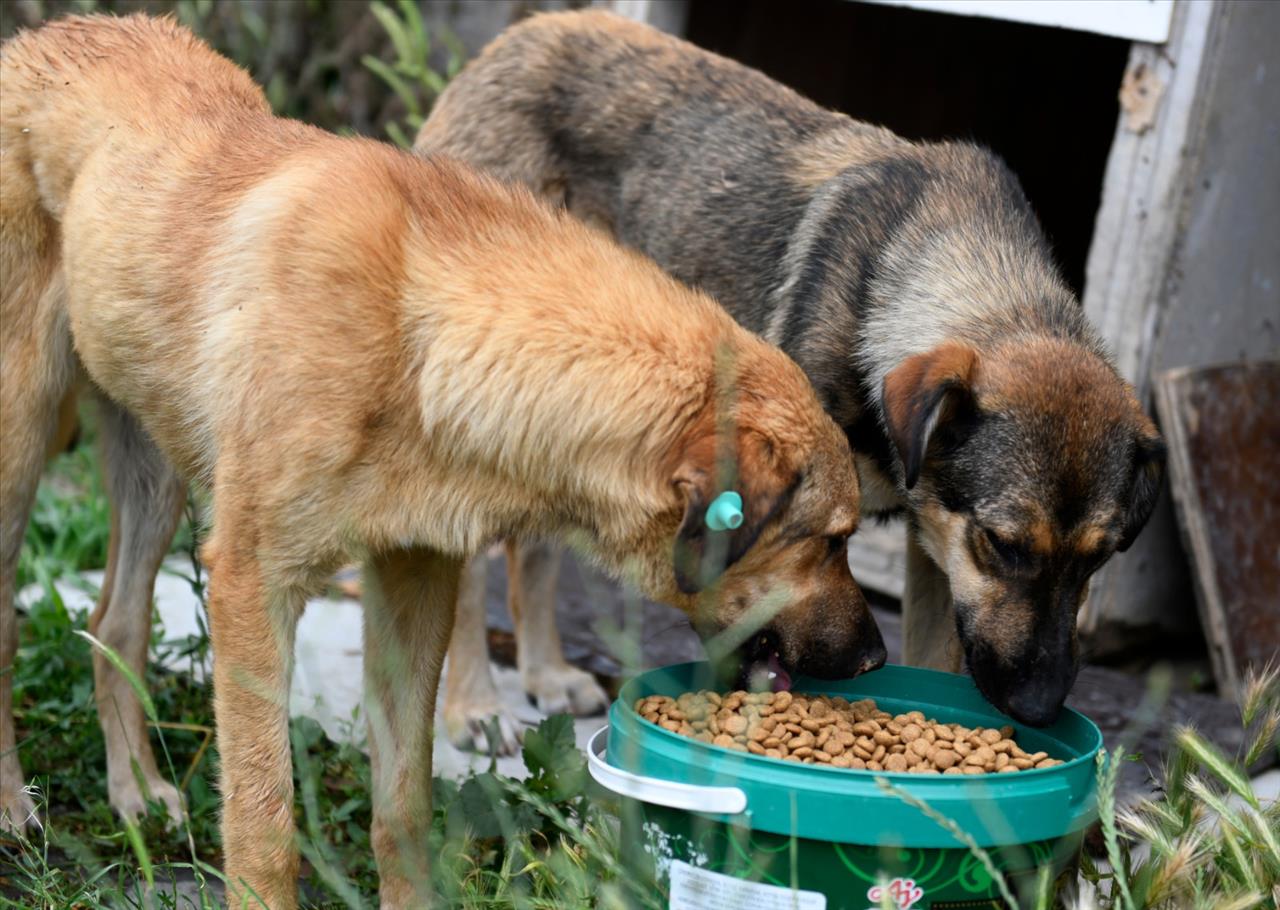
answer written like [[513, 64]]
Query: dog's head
[[1026, 467], [775, 592]]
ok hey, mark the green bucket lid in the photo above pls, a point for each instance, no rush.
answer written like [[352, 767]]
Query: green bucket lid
[[849, 806]]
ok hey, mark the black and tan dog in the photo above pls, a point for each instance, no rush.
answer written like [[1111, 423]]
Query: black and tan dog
[[911, 282]]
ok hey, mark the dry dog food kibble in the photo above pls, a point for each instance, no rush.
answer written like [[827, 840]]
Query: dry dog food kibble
[[821, 730]]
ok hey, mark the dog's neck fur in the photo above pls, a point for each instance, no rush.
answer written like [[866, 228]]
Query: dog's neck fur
[[956, 256], [634, 358]]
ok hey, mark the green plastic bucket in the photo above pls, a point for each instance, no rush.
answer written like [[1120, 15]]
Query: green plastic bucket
[[723, 830]]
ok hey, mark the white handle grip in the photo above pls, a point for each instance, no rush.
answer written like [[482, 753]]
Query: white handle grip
[[690, 797]]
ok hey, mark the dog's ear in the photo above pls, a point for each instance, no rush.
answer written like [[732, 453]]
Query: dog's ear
[[921, 395], [1144, 490], [754, 469]]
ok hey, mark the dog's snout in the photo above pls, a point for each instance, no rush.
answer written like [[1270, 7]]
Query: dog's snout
[[874, 659], [1035, 706]]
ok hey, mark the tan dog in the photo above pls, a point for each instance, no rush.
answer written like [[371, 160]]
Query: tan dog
[[910, 281], [363, 353]]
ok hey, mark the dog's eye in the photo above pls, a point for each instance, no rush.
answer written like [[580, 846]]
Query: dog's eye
[[1011, 553], [837, 542]]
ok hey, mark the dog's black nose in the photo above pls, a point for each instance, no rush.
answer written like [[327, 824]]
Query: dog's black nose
[[1035, 706], [873, 651], [874, 660]]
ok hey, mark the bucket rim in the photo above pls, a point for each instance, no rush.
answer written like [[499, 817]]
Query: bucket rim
[[1068, 713]]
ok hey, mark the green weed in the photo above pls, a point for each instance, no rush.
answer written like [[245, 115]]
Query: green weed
[[411, 76]]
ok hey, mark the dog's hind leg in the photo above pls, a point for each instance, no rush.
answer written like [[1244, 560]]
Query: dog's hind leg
[[36, 367], [555, 686], [408, 615], [474, 716], [929, 636], [146, 502]]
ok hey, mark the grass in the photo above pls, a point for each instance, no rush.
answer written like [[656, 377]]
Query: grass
[[1203, 841]]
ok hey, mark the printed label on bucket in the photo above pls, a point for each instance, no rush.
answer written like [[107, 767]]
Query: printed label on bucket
[[701, 889]]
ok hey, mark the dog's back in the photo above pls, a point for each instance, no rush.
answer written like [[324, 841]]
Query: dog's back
[[693, 158], [71, 83]]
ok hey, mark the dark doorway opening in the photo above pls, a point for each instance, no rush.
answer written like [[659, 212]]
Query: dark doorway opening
[[1045, 99]]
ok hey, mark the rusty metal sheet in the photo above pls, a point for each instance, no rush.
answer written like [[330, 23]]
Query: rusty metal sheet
[[1223, 428]]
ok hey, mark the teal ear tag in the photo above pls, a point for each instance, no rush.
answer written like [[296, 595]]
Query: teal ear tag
[[725, 512]]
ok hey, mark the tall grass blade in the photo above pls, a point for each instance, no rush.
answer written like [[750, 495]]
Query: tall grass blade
[[1108, 776], [1267, 737], [399, 38], [135, 683], [393, 81], [140, 852], [982, 856], [1267, 837], [1216, 763], [1240, 860]]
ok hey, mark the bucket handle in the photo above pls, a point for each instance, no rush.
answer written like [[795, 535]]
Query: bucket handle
[[659, 792]]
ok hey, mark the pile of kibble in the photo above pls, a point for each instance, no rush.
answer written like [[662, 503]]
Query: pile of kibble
[[843, 734]]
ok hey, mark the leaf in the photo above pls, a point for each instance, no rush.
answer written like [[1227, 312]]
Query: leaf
[[417, 31], [486, 812], [556, 767], [1217, 764], [393, 81], [391, 23]]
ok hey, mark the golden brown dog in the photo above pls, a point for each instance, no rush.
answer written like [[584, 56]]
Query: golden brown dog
[[361, 352], [909, 280]]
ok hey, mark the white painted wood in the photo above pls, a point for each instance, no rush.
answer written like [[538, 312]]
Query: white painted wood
[[1134, 239], [878, 556], [1138, 20], [1142, 196], [668, 15]]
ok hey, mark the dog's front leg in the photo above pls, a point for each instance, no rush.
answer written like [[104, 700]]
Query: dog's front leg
[[552, 682], [474, 716], [929, 637], [251, 623], [408, 616]]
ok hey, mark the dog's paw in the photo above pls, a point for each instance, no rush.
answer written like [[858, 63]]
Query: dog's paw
[[127, 798], [17, 810], [565, 690], [483, 728]]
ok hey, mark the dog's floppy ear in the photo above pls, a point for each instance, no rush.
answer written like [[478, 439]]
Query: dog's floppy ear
[[755, 470], [922, 393], [1148, 472]]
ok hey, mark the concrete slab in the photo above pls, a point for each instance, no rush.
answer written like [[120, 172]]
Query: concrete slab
[[596, 622], [327, 679]]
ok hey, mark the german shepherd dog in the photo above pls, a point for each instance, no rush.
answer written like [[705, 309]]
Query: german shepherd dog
[[362, 352], [910, 281]]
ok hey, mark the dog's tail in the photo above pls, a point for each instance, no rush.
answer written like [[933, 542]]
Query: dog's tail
[[72, 83]]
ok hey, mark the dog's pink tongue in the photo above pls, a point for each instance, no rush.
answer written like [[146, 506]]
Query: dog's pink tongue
[[779, 678]]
